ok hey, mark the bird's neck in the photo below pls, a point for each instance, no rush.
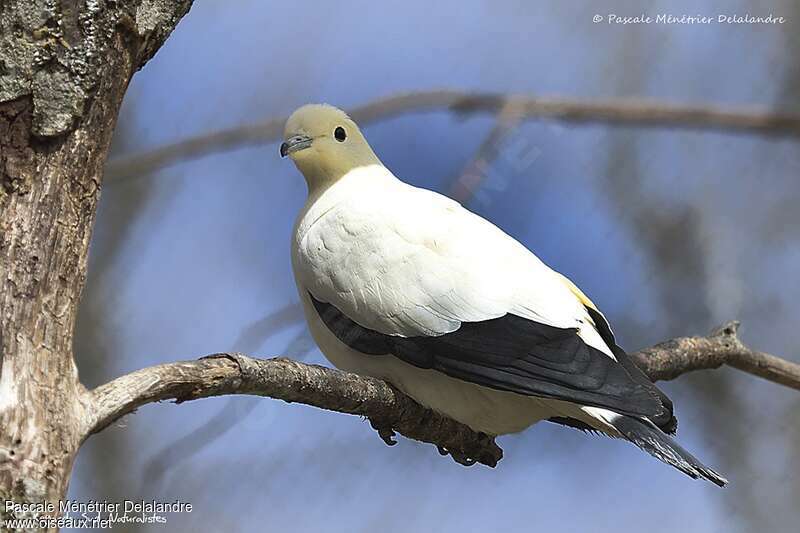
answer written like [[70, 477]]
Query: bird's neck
[[353, 179]]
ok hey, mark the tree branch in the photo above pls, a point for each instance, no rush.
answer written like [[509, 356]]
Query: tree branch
[[621, 112], [387, 408], [283, 379], [670, 359]]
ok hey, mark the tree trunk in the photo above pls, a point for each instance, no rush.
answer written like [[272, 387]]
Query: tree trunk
[[64, 68]]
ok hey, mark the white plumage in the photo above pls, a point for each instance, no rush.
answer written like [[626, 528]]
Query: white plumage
[[407, 262], [376, 259]]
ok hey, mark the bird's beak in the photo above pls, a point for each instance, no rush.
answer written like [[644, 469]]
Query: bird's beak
[[295, 143]]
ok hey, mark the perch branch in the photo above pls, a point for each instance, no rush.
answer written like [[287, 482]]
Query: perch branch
[[283, 379], [387, 408], [621, 112]]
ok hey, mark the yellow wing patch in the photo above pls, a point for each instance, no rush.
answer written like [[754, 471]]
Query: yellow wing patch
[[605, 328], [592, 312], [578, 293]]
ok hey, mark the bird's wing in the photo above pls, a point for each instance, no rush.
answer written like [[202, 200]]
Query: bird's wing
[[412, 274], [665, 419], [406, 261]]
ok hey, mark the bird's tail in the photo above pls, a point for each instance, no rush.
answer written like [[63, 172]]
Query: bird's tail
[[661, 446]]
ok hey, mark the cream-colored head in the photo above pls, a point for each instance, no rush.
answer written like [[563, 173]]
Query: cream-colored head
[[325, 144]]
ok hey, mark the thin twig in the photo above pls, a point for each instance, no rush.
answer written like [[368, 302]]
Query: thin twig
[[386, 407], [621, 112], [474, 172]]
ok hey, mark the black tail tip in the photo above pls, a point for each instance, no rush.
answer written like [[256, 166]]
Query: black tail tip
[[655, 442], [709, 474]]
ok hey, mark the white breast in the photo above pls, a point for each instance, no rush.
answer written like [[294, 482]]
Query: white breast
[[407, 261]]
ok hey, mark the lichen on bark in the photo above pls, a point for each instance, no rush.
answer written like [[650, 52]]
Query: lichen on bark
[[51, 50]]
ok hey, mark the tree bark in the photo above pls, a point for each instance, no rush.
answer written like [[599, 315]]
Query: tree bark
[[64, 68]]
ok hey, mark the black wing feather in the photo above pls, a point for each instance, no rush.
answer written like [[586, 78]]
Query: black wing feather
[[513, 354], [666, 421]]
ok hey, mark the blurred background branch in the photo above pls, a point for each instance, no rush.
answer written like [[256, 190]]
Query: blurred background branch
[[474, 172], [509, 108]]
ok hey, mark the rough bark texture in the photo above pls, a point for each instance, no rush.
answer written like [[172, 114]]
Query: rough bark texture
[[64, 68], [669, 359], [387, 408]]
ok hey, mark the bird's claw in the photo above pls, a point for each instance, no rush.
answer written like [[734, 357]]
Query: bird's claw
[[460, 458], [386, 434]]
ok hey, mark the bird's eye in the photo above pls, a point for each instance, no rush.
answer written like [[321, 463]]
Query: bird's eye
[[339, 134]]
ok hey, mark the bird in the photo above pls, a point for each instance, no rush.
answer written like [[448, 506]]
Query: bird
[[406, 285]]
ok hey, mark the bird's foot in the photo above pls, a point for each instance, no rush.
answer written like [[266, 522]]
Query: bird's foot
[[386, 434], [460, 458]]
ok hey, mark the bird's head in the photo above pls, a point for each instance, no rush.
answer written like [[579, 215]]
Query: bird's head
[[325, 144]]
